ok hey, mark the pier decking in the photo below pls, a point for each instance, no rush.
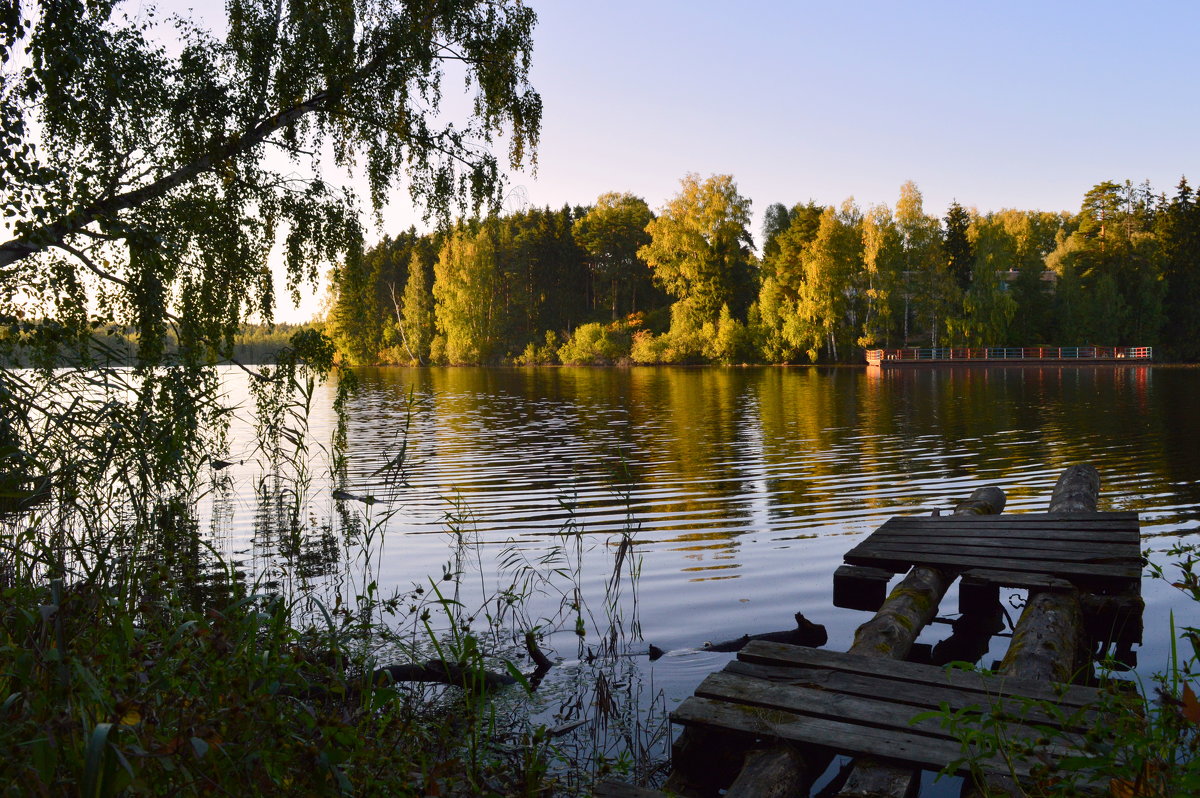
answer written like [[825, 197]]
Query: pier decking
[[860, 705], [1012, 355], [1100, 552], [769, 722]]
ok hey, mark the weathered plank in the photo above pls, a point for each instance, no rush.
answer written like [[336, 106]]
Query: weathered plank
[[1085, 517], [979, 588], [1018, 579], [1102, 575], [867, 712], [1091, 553], [905, 748], [902, 674], [858, 588], [919, 697], [1131, 549], [1067, 530]]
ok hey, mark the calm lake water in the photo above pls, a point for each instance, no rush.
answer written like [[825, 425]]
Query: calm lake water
[[741, 488]]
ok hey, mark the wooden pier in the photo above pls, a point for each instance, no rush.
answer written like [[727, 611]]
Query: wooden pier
[[1010, 355], [771, 721]]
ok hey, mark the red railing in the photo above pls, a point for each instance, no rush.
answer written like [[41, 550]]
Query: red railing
[[954, 353]]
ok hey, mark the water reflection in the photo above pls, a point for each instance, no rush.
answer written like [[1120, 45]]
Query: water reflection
[[743, 487], [713, 455]]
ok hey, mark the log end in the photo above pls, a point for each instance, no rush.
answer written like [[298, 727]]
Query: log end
[[1077, 490]]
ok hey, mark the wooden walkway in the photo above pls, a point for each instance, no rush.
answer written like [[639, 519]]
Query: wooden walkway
[[1097, 552], [778, 711], [859, 705]]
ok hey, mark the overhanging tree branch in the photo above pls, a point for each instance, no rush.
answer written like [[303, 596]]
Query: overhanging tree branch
[[56, 232], [107, 276]]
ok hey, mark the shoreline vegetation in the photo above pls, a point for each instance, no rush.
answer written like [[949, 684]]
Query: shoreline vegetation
[[615, 282]]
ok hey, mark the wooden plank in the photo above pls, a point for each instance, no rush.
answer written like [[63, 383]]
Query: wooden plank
[[847, 738], [916, 697], [1012, 519], [835, 705], [1123, 549], [979, 588], [857, 588], [1121, 555], [1104, 573], [1082, 539], [900, 672], [1017, 579], [1079, 523], [965, 524], [1065, 523]]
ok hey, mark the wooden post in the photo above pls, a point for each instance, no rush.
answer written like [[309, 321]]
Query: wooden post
[[891, 633], [1045, 642]]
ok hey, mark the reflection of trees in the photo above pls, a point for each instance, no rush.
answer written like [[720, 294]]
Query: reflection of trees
[[702, 456], [694, 425], [1020, 424]]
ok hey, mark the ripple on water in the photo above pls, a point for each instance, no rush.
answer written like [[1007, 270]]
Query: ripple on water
[[743, 488]]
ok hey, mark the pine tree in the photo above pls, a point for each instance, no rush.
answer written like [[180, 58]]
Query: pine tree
[[1180, 235], [959, 255]]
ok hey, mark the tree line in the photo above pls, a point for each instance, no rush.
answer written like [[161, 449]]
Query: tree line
[[616, 282]]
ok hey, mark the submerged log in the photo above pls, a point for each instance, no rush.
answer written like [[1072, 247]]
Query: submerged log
[[443, 672], [783, 770], [1047, 638], [913, 603], [806, 633], [779, 772]]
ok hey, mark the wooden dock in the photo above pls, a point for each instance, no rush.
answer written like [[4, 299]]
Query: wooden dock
[[770, 722], [1010, 355], [1098, 552], [856, 705]]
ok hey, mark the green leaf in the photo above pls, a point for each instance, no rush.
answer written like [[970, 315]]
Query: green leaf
[[95, 764]]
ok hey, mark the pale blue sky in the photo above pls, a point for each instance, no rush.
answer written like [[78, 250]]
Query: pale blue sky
[[1013, 104]]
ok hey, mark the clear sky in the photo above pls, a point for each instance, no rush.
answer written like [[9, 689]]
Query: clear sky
[[995, 104], [1013, 104]]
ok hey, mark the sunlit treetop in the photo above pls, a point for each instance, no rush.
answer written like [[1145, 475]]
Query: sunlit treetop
[[164, 162]]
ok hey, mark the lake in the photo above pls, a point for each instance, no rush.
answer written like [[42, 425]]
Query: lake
[[737, 489]]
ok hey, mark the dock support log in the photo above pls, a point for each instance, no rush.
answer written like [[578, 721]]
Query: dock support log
[[891, 633], [1045, 642], [781, 770]]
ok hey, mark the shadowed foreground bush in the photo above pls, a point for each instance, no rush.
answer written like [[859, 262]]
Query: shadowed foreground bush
[[159, 699]]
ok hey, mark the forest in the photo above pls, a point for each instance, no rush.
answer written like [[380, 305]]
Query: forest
[[616, 282]]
